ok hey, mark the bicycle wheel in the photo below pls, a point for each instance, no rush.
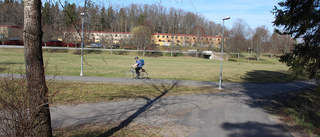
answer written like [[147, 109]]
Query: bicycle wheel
[[143, 75], [129, 74]]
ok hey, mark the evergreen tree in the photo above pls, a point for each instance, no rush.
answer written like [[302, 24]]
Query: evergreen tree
[[141, 19], [110, 18], [46, 16], [103, 19], [70, 14], [301, 19], [122, 20]]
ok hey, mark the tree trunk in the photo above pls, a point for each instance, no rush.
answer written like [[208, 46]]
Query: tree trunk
[[227, 56], [40, 121]]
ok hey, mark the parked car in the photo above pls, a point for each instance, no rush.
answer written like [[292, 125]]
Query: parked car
[[96, 45]]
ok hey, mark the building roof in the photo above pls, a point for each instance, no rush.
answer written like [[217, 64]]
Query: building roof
[[187, 35], [11, 26]]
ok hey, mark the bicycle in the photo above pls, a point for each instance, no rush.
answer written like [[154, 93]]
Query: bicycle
[[132, 73]]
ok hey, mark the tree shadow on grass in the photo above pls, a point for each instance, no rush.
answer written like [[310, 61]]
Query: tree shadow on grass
[[163, 90], [264, 76], [9, 63], [4, 65]]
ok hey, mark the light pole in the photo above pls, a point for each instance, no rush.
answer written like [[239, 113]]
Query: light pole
[[81, 73], [248, 54], [225, 18]]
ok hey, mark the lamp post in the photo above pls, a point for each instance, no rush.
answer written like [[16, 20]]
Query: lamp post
[[225, 18], [81, 73], [248, 54]]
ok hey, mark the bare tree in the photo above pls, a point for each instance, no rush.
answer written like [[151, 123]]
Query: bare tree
[[198, 31], [238, 35], [286, 43], [275, 43], [227, 43], [35, 74], [260, 38], [11, 13], [141, 36]]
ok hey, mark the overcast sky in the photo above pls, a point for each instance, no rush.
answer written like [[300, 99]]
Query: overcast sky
[[254, 12]]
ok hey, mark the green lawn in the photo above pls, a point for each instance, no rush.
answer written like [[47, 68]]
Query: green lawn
[[103, 64]]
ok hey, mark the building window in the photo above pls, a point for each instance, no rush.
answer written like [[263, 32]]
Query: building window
[[162, 36], [158, 36], [160, 40], [181, 38], [167, 36], [168, 40], [178, 41]]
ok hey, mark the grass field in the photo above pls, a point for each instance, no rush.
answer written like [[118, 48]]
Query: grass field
[[103, 64], [301, 111]]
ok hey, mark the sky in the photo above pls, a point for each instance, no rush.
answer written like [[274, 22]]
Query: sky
[[254, 12]]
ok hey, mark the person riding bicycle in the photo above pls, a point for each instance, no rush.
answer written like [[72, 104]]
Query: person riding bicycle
[[138, 66]]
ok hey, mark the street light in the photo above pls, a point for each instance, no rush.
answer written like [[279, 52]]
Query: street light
[[225, 18], [248, 54], [81, 73]]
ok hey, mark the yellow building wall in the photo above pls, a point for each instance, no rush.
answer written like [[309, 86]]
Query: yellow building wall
[[161, 39]]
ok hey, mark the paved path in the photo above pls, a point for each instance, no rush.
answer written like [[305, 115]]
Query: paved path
[[233, 113]]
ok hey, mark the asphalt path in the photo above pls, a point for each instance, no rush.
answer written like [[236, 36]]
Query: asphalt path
[[224, 114]]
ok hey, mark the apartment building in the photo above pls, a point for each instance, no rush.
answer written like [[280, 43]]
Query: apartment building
[[97, 37], [103, 37], [11, 32], [165, 39], [161, 39]]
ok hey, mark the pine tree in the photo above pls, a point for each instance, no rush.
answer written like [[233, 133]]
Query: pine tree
[[301, 19]]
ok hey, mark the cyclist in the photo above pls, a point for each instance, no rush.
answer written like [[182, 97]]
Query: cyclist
[[138, 66]]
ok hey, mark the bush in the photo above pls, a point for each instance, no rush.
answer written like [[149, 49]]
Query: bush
[[78, 52], [154, 54], [14, 117], [174, 54], [120, 52], [55, 50]]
